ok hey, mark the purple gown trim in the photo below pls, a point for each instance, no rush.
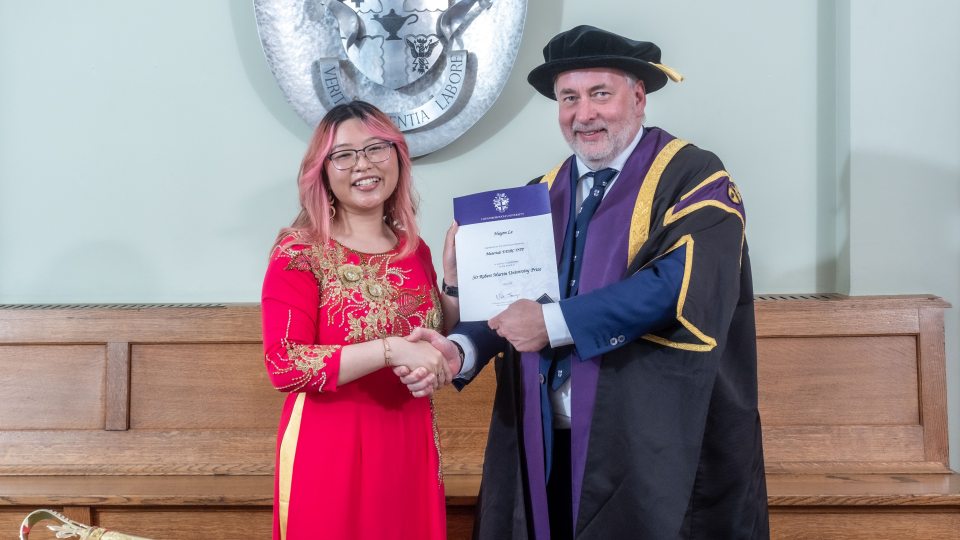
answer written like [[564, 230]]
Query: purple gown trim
[[607, 240], [721, 190]]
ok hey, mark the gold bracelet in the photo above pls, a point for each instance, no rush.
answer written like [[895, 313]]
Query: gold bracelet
[[386, 353]]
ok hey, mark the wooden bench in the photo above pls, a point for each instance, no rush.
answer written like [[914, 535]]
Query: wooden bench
[[160, 421], [853, 405]]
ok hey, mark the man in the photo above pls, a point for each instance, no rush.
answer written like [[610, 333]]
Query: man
[[629, 408]]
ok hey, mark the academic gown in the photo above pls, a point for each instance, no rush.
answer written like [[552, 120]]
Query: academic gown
[[665, 423]]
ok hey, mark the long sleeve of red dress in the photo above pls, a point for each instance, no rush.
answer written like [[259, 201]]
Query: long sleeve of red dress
[[294, 359]]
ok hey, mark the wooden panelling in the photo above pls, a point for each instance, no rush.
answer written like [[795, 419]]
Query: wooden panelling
[[842, 322], [864, 490], [459, 523], [117, 394], [843, 443], [463, 419], [197, 386], [462, 450], [855, 467], [853, 380], [208, 523], [933, 385], [51, 387], [237, 323], [161, 422], [137, 452], [843, 316], [12, 517], [461, 489], [80, 514], [875, 525], [169, 490], [470, 407]]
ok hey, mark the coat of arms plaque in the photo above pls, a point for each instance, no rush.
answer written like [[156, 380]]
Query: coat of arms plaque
[[435, 66]]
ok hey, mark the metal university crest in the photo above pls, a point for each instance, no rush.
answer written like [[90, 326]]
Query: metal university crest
[[434, 66]]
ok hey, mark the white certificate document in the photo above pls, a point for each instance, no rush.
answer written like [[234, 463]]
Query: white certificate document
[[505, 250]]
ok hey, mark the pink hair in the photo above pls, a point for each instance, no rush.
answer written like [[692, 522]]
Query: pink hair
[[312, 225]]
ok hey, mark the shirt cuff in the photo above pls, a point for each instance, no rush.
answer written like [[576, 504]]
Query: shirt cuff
[[557, 330], [469, 355]]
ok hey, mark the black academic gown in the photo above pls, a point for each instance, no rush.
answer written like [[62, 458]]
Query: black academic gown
[[674, 447]]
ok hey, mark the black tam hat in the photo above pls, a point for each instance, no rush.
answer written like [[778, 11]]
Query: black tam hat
[[587, 47]]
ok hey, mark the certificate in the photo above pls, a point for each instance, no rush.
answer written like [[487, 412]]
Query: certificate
[[505, 250]]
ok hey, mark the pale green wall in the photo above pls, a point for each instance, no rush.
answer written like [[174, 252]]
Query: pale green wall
[[147, 155], [903, 160]]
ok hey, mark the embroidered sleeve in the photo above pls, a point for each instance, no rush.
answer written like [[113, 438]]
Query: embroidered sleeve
[[294, 360]]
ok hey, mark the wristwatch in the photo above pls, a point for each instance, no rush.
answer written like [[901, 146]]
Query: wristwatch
[[461, 353], [449, 290]]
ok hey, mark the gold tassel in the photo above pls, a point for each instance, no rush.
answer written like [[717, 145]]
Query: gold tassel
[[669, 72]]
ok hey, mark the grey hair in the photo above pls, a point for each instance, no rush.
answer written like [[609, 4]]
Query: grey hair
[[633, 81]]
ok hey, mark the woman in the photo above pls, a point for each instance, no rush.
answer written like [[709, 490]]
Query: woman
[[358, 453]]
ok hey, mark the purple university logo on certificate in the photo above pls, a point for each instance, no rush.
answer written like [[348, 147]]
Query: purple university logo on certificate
[[505, 250]]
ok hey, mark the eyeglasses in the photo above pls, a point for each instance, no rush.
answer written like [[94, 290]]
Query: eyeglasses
[[375, 153]]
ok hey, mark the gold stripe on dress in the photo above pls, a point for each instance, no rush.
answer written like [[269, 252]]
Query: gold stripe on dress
[[288, 451], [640, 222]]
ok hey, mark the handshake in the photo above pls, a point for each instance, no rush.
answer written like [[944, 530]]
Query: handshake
[[424, 361], [429, 360]]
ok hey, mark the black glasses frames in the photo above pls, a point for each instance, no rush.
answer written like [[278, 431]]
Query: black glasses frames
[[375, 153]]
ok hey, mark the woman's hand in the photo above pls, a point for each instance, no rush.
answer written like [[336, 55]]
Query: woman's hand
[[450, 256], [439, 342], [420, 382], [421, 358]]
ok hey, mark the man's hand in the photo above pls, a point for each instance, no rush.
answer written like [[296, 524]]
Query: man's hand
[[522, 325], [421, 382], [446, 347]]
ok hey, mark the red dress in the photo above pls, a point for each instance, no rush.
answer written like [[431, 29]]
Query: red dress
[[362, 460]]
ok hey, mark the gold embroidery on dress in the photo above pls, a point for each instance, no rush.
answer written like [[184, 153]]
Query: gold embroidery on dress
[[366, 298], [347, 289], [309, 360], [433, 318], [436, 441]]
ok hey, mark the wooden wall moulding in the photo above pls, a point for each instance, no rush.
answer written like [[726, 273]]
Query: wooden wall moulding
[[157, 420]]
